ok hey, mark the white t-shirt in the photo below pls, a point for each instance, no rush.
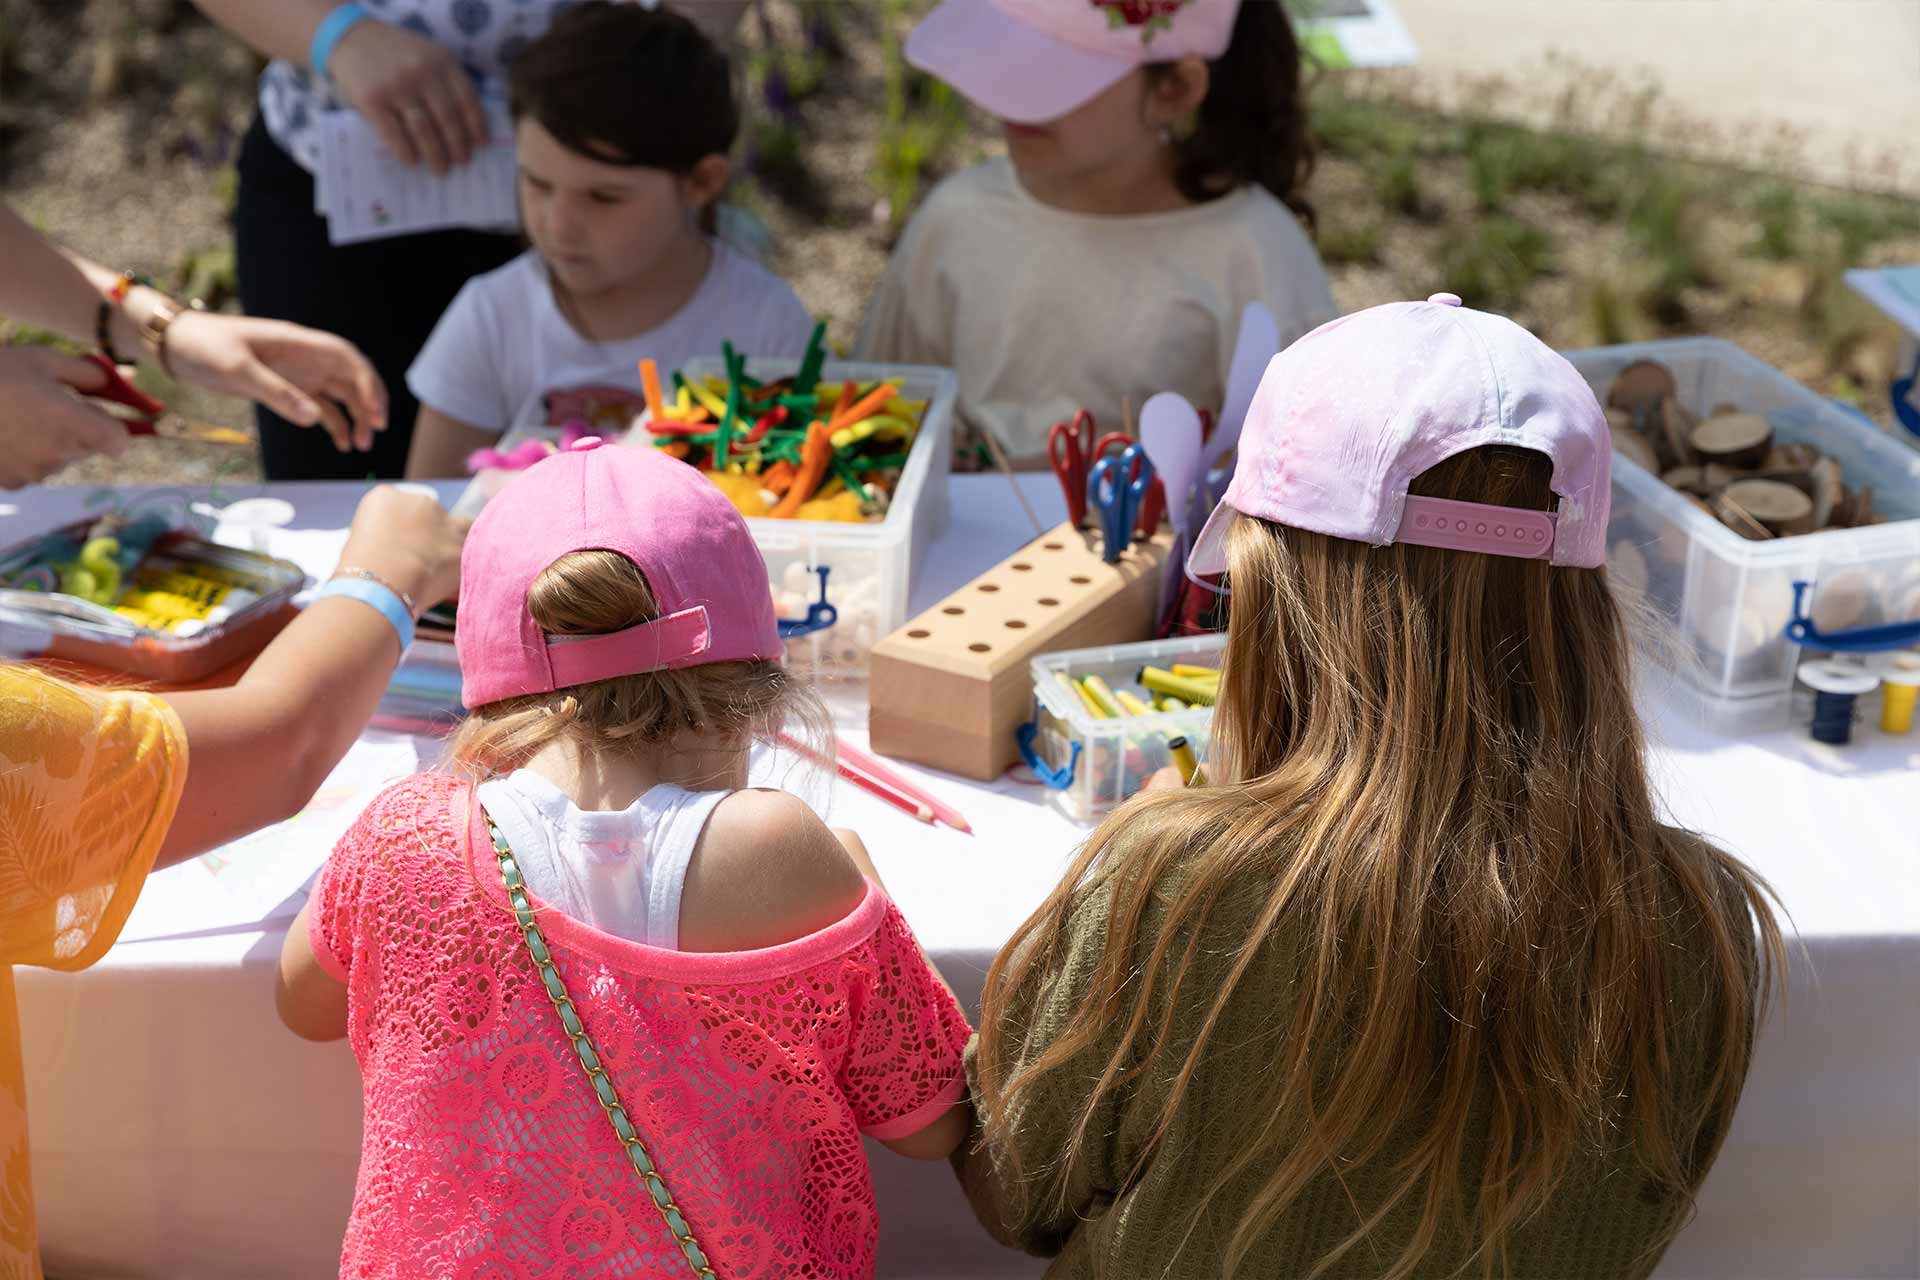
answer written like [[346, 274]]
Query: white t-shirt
[[1042, 312], [503, 356], [621, 871]]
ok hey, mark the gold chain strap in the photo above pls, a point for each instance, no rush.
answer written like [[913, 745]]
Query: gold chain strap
[[590, 1057]]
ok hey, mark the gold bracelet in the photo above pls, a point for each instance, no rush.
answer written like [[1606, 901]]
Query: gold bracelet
[[153, 328], [354, 571]]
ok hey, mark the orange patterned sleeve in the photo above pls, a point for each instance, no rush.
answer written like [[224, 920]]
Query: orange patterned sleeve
[[89, 781]]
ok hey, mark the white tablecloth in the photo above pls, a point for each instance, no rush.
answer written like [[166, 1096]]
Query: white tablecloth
[[178, 1130]]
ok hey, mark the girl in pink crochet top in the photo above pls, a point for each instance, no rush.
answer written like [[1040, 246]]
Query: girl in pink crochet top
[[748, 1000]]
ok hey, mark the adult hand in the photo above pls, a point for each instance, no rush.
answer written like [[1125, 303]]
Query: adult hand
[[410, 540], [297, 372], [1164, 780], [43, 425], [413, 91]]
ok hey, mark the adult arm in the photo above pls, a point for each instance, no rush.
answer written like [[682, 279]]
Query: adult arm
[[411, 89], [256, 752], [299, 372]]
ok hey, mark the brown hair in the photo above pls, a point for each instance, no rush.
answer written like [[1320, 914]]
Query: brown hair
[[1252, 127], [588, 593], [1428, 768], [628, 85]]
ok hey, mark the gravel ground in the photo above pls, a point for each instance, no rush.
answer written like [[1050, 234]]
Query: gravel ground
[[117, 118]]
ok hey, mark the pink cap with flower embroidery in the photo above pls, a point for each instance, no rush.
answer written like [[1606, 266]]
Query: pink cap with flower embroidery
[[1033, 61]]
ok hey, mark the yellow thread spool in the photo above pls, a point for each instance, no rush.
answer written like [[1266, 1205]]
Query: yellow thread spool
[[1898, 693], [1183, 759], [1130, 704], [1193, 692], [1210, 674]]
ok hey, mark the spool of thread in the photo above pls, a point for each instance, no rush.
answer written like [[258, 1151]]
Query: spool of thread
[[1902, 688], [1183, 759], [1836, 690]]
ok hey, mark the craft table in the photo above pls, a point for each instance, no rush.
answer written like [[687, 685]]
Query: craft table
[[179, 1130]]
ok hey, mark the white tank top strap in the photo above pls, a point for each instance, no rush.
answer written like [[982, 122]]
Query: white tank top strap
[[680, 816]]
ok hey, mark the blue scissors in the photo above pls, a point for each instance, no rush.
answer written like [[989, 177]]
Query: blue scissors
[[1115, 488]]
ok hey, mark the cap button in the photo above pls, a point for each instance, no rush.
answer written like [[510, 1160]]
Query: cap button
[[1446, 299], [585, 443]]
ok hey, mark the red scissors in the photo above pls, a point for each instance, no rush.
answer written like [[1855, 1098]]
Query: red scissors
[[1073, 450], [146, 410]]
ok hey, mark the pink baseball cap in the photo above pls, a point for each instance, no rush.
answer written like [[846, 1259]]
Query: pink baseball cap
[[707, 576], [1032, 61], [1348, 415]]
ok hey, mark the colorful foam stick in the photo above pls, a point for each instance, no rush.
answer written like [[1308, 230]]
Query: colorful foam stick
[[650, 385], [1192, 692], [815, 458]]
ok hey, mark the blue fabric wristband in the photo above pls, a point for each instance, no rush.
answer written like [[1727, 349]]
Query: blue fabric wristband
[[377, 597], [328, 33]]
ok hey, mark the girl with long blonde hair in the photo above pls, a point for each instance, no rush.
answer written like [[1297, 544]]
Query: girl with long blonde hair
[[1418, 984]]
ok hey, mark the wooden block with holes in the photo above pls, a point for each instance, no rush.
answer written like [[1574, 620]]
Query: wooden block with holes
[[950, 688]]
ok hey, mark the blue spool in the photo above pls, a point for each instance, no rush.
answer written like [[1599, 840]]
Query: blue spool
[[1833, 717]]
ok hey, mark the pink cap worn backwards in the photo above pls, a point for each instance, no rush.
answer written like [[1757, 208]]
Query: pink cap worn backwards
[[1033, 61], [1348, 415], [706, 574]]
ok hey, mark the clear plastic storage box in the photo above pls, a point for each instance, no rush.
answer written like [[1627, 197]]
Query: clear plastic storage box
[[1092, 764], [1728, 599], [869, 567]]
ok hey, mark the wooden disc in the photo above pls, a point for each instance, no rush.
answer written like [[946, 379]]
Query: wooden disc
[[1630, 444], [1781, 508], [1738, 440], [1641, 385], [1686, 479], [1676, 426], [1827, 490]]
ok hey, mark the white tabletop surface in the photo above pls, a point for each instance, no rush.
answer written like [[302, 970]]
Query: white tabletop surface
[[178, 1130]]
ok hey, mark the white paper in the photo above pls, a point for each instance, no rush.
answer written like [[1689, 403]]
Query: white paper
[[367, 193], [265, 876]]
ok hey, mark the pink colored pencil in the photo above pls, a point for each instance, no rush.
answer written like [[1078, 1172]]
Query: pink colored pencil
[[872, 766], [866, 782]]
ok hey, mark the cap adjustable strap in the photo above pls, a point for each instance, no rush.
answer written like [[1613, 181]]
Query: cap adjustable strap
[[1475, 526], [650, 646]]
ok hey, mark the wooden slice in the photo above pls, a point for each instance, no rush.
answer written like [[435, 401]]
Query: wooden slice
[[1827, 491], [1685, 479], [1676, 426], [1630, 444], [1714, 477], [1737, 440], [1640, 386], [1782, 509], [1790, 457]]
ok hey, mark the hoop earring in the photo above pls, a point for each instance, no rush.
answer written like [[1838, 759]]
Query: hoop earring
[[1166, 135]]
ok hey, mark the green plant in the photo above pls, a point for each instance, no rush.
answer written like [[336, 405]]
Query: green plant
[[1493, 262], [1776, 209], [1396, 180], [1663, 224], [206, 273], [1356, 128], [1860, 222], [921, 122], [1350, 240]]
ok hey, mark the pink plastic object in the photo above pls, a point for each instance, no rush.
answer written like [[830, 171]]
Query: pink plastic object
[[1475, 526]]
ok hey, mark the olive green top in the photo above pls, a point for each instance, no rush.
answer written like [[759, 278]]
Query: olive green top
[[1608, 1218]]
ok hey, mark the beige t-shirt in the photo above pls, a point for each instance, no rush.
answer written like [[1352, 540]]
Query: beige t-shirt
[[1042, 312]]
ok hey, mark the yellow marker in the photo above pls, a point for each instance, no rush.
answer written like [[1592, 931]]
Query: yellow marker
[[1898, 694], [1130, 704], [1197, 692], [1196, 673], [1098, 690], [1183, 760]]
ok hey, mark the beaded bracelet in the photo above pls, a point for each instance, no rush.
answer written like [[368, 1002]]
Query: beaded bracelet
[[355, 571]]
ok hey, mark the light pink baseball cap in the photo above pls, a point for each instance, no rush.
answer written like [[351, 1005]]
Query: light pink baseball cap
[[706, 574], [1348, 415], [1032, 61]]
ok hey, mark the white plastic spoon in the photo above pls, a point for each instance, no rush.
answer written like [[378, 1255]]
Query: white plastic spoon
[[1258, 342], [1170, 433]]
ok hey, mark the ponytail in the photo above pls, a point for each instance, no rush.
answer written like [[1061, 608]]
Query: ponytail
[[1252, 127]]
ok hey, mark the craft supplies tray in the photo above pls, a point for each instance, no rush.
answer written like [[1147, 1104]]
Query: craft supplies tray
[[52, 625], [1727, 599], [1091, 763], [868, 566]]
